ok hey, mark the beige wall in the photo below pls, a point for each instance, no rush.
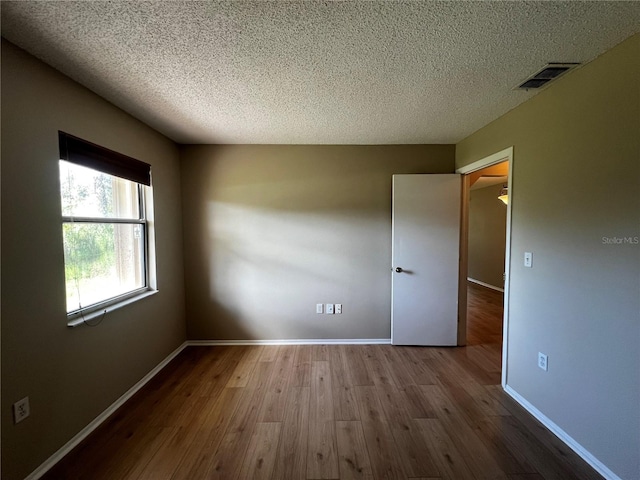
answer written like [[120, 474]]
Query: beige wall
[[487, 235], [269, 231], [580, 302], [71, 374]]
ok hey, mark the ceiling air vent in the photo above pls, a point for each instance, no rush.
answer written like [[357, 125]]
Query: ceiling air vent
[[551, 71]]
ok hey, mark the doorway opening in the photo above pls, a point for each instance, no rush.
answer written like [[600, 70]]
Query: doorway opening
[[485, 252]]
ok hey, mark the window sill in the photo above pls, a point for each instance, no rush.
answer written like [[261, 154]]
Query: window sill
[[77, 319]]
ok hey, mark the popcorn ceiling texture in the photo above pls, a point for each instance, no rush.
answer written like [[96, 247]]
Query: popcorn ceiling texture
[[314, 72]]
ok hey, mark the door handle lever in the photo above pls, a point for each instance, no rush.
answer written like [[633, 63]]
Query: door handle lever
[[398, 269]]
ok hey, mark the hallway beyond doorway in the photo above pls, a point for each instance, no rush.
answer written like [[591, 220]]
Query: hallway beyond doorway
[[484, 328]]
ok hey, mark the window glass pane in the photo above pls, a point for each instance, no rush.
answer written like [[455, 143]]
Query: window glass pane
[[102, 260], [88, 193]]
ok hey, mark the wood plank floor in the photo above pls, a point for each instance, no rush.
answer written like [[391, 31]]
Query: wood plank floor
[[329, 412]]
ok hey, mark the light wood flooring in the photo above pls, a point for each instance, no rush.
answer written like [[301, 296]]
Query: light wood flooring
[[329, 412]]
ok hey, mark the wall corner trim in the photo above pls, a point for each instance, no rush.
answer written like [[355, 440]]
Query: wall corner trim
[[562, 435], [96, 422]]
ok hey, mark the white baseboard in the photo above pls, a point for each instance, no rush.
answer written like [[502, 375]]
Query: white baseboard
[[492, 287], [84, 433], [304, 341], [562, 435]]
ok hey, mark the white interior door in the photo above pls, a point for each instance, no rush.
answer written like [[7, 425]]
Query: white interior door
[[425, 259]]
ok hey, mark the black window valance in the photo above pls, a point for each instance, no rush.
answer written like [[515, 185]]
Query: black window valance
[[87, 154]]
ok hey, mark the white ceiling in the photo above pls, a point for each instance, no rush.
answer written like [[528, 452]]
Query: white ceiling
[[354, 72]]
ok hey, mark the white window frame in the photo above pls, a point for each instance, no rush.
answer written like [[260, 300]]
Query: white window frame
[[97, 311]]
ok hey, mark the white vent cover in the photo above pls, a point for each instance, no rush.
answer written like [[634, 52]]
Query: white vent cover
[[549, 72]]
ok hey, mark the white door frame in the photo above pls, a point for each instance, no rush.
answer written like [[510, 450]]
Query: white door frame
[[498, 157]]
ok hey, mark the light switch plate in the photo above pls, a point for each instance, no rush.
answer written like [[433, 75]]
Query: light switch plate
[[329, 309], [528, 259]]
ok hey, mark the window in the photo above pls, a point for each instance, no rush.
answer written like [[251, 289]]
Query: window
[[104, 225]]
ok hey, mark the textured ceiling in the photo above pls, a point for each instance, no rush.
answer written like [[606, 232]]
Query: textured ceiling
[[374, 72]]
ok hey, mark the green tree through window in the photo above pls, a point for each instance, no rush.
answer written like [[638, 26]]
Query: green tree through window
[[103, 235]]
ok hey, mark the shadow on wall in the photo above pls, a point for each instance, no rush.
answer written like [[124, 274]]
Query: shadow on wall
[[268, 236], [263, 258]]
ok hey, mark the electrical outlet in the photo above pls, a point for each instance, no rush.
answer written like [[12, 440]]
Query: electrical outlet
[[319, 308], [543, 361], [21, 410], [338, 308], [329, 308]]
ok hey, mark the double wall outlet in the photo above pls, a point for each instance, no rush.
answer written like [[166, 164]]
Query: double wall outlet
[[543, 361], [21, 410]]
